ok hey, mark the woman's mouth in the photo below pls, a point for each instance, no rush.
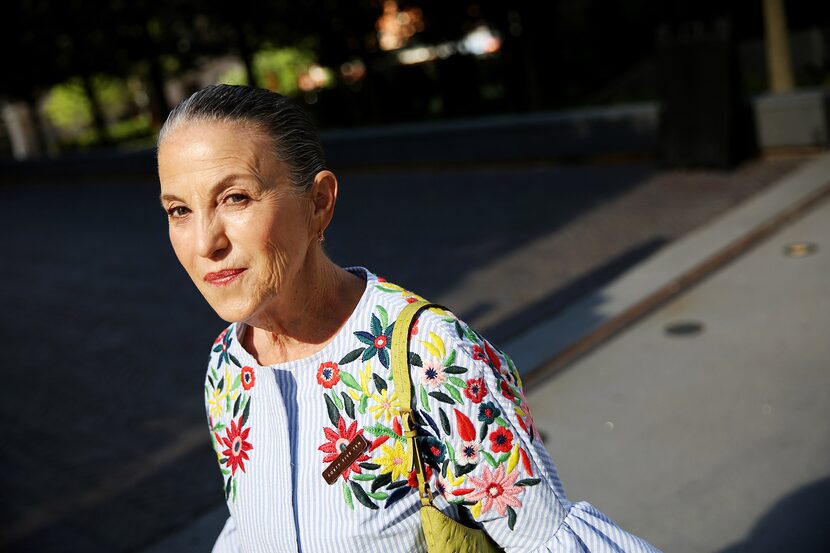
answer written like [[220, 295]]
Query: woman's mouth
[[223, 277]]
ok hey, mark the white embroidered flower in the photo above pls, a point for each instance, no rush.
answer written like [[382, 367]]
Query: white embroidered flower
[[467, 453], [432, 375]]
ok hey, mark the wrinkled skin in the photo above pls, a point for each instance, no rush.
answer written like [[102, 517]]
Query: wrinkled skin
[[231, 205]]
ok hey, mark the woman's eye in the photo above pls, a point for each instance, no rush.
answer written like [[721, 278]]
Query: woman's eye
[[178, 211], [236, 198]]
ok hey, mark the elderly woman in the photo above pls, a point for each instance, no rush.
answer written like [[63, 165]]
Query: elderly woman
[[303, 372]]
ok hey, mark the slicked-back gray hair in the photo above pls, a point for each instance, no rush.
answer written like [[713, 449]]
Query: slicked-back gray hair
[[295, 139]]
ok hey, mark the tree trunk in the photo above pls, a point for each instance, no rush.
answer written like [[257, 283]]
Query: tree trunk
[[97, 113]]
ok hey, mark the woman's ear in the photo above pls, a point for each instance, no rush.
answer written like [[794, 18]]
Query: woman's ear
[[323, 197]]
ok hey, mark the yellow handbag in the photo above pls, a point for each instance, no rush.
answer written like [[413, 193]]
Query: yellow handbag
[[442, 533]]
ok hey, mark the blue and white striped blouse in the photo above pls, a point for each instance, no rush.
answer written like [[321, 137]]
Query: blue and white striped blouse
[[276, 428]]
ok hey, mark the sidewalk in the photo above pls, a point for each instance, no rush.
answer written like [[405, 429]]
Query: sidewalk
[[706, 442]]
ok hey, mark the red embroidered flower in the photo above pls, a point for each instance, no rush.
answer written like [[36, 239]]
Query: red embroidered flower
[[248, 377], [414, 329], [507, 391], [475, 389], [337, 442], [328, 374], [380, 341], [411, 299], [220, 337], [478, 353], [501, 440], [381, 279], [413, 480], [236, 444], [487, 354]]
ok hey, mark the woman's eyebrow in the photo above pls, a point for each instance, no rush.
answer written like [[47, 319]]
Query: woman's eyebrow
[[224, 183]]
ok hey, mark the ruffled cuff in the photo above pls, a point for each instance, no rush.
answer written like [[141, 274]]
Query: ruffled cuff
[[587, 529]]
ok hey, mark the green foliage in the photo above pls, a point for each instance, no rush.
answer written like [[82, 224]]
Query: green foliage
[[277, 69]]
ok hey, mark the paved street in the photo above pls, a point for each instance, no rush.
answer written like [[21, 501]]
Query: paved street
[[108, 337]]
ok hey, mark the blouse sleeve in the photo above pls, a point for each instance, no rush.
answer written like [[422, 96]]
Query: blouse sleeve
[[228, 540], [486, 454]]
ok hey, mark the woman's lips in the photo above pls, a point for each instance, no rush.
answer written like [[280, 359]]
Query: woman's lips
[[223, 277]]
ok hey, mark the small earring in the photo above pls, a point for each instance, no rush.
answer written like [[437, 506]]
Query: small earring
[[320, 237]]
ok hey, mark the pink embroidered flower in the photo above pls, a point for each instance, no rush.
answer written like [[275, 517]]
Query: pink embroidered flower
[[495, 489], [467, 453], [328, 374], [432, 375], [236, 444], [501, 440], [248, 377], [337, 442], [475, 389]]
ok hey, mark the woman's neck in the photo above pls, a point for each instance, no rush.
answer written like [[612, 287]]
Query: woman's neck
[[311, 312]]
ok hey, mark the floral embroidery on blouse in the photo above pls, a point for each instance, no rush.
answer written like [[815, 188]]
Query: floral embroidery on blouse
[[463, 436], [227, 392]]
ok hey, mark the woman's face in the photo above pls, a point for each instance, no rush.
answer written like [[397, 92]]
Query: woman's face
[[238, 228]]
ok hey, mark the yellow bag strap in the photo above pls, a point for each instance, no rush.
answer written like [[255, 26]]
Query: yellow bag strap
[[403, 387]]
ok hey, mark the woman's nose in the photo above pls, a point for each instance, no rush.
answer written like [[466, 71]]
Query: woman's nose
[[211, 240]]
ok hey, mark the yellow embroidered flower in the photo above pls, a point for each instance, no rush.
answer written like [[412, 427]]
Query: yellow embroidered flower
[[395, 460], [387, 406], [216, 402]]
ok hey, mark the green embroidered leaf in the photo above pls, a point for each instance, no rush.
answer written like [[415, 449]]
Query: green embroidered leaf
[[363, 477], [347, 495], [456, 395], [210, 380], [224, 471], [375, 325], [219, 427], [464, 469], [236, 405], [471, 335], [455, 501], [236, 382], [334, 414], [381, 481], [228, 488], [504, 457], [351, 356], [440, 396], [384, 316], [369, 466], [348, 404], [218, 348], [397, 484], [221, 384], [458, 329], [363, 403], [511, 517], [336, 399], [444, 466], [361, 496], [380, 496], [489, 459], [234, 489], [458, 382], [415, 359], [370, 351], [397, 495], [378, 429], [349, 381], [245, 412], [389, 290], [455, 369], [380, 384], [227, 402], [483, 432], [235, 360], [450, 359], [450, 451], [501, 422], [445, 422], [527, 482], [424, 400]]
